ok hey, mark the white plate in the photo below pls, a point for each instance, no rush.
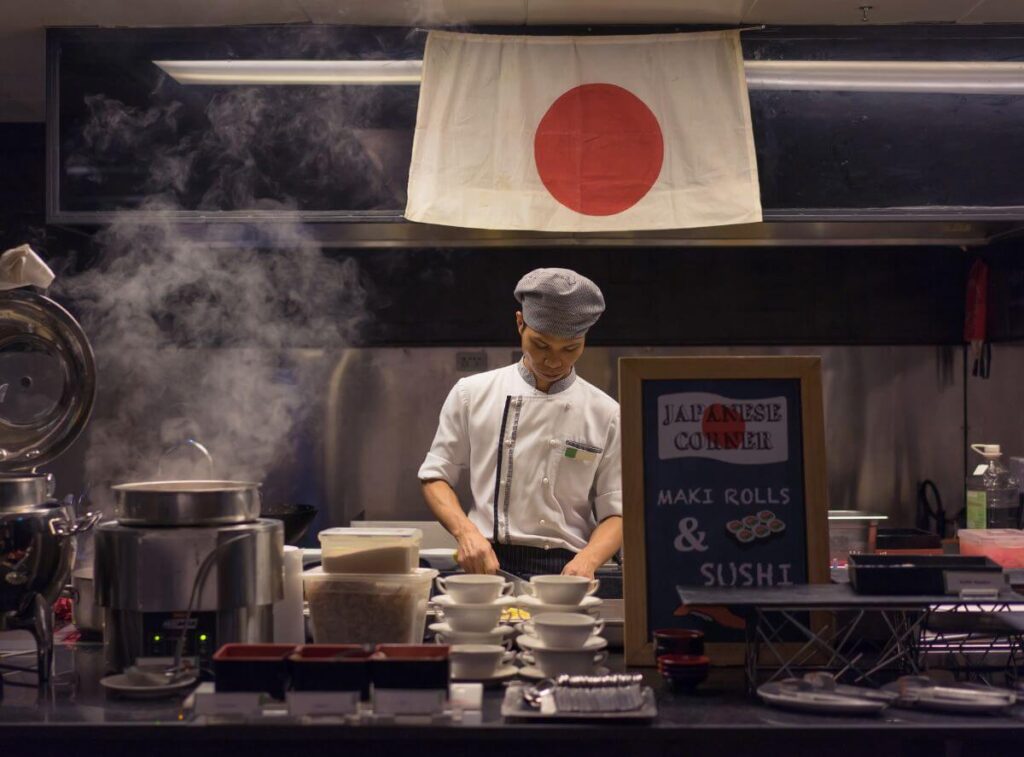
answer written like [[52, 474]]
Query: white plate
[[445, 600], [973, 699], [534, 673], [505, 673], [821, 702], [122, 685], [535, 606], [593, 644], [495, 636]]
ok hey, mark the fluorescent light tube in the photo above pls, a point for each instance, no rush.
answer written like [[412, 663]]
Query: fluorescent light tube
[[956, 77], [293, 71]]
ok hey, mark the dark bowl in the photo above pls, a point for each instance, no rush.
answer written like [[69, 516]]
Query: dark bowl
[[670, 641], [331, 667], [410, 666], [252, 667], [296, 519], [684, 671]]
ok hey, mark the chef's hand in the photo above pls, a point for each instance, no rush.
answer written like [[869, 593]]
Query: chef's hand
[[581, 565], [475, 554]]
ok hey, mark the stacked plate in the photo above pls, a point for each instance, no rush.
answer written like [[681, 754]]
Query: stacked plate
[[470, 607], [556, 593], [557, 643]]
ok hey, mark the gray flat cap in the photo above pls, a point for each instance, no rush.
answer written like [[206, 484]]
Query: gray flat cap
[[559, 302]]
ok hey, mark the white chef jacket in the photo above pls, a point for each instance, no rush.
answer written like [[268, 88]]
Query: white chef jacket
[[544, 469]]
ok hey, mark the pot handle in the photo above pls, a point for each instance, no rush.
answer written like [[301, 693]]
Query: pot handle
[[190, 442], [62, 527]]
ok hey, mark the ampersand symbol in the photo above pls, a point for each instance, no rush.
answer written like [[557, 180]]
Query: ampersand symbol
[[689, 538]]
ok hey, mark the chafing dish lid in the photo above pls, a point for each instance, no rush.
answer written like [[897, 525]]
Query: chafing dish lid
[[47, 380]]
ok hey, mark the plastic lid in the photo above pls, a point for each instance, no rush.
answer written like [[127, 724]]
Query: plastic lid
[[374, 533], [47, 380], [416, 576]]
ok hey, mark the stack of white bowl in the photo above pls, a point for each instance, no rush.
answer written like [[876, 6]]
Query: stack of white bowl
[[563, 634], [470, 607]]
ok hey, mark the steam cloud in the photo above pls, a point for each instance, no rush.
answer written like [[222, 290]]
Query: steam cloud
[[220, 341]]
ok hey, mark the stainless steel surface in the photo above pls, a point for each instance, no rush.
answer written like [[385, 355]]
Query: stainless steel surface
[[47, 380], [123, 631], [893, 416], [187, 503], [153, 569], [24, 493]]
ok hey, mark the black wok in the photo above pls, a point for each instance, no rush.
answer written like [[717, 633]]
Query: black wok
[[296, 519]]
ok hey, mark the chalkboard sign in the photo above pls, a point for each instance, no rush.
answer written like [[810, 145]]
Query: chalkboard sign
[[723, 486]]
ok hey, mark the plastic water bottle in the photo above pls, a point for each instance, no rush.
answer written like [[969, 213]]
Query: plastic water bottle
[[993, 497]]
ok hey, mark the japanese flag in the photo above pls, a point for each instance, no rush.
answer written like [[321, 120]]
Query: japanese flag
[[583, 133]]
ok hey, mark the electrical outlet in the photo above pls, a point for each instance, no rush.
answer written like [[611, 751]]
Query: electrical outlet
[[471, 362]]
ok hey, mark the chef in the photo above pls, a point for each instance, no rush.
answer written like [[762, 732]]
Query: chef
[[540, 444]]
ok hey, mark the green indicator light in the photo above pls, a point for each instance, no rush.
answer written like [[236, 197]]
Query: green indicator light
[[156, 638], [202, 637]]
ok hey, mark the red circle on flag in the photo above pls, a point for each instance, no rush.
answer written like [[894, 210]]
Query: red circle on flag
[[598, 149], [723, 426]]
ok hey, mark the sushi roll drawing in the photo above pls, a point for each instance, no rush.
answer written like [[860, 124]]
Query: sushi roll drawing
[[766, 516], [750, 521], [745, 536], [762, 531], [777, 526], [734, 527]]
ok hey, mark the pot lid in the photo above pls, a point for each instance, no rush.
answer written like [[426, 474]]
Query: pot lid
[[47, 380]]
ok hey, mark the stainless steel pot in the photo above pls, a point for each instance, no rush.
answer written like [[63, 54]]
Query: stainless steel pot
[[187, 503]]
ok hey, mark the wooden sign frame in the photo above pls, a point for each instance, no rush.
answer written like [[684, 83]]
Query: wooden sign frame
[[633, 371]]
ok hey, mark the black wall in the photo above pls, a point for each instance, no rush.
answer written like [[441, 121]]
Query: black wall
[[656, 296]]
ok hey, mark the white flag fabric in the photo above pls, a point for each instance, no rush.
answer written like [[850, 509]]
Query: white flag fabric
[[583, 133], [741, 432]]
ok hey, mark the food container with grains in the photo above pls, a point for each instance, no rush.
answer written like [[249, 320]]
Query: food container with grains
[[352, 608], [370, 550]]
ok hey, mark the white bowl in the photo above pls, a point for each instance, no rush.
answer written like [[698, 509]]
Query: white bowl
[[445, 635], [563, 630], [556, 662], [469, 661], [474, 588], [561, 590], [471, 617]]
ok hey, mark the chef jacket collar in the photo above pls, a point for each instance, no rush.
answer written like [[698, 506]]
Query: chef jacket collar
[[558, 386]]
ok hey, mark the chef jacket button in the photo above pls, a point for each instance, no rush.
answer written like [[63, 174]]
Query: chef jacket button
[[542, 521], [568, 406], [547, 546], [508, 442], [545, 480], [554, 442]]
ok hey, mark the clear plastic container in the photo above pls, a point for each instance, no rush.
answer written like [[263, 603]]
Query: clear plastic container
[[993, 495], [370, 550], [1002, 545], [347, 608]]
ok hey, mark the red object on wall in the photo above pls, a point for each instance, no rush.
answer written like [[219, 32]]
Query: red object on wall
[[977, 303]]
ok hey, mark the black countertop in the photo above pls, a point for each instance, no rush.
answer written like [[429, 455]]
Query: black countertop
[[77, 715]]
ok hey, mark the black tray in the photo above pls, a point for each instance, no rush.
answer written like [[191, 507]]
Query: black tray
[[912, 574]]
